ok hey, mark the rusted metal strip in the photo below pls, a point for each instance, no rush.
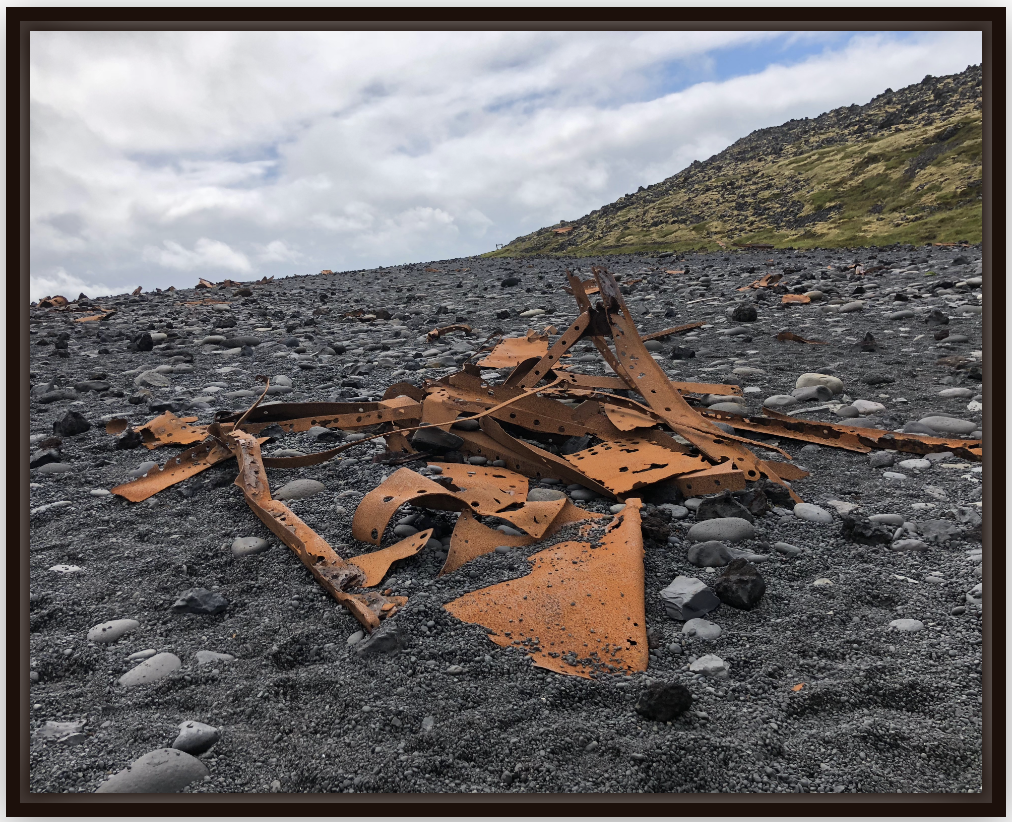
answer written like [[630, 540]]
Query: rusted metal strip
[[376, 563], [569, 338], [790, 336], [436, 333], [667, 332], [616, 384], [332, 573], [403, 486], [599, 329], [625, 419], [187, 464], [791, 429], [580, 611], [651, 382], [535, 518], [625, 465], [711, 481], [795, 299], [552, 465]]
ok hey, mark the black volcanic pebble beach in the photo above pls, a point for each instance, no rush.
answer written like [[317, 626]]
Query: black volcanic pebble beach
[[433, 705]]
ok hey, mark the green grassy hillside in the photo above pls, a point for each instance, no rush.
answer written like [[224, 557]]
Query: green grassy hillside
[[905, 168]]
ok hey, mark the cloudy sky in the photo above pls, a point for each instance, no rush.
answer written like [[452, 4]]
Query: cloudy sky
[[161, 157]]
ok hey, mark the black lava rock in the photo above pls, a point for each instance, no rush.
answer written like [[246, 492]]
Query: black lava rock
[[655, 528], [200, 601], [504, 314], [680, 353], [722, 506], [43, 457], [663, 701], [775, 492], [509, 282], [71, 425], [936, 317], [877, 378], [131, 439], [865, 532], [386, 640], [144, 342], [754, 501], [740, 585], [744, 313]]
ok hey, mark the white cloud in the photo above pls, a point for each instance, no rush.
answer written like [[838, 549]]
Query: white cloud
[[277, 252], [359, 149], [59, 281], [206, 254]]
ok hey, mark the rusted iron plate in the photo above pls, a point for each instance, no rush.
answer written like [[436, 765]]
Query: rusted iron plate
[[403, 486], [438, 410], [553, 466], [116, 426], [281, 412], [168, 428], [580, 611], [711, 481], [790, 336], [878, 438], [568, 339], [651, 382], [514, 350], [485, 489], [795, 299], [181, 467], [535, 518], [766, 281], [398, 409], [667, 332], [376, 563], [627, 464], [480, 444], [404, 389], [436, 333], [471, 539], [791, 428], [789, 471], [626, 419], [332, 573]]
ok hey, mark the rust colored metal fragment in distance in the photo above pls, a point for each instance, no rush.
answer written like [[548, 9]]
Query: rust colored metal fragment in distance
[[169, 429], [376, 563], [795, 299], [514, 350], [667, 332], [790, 336], [181, 467], [625, 465], [580, 611], [436, 333]]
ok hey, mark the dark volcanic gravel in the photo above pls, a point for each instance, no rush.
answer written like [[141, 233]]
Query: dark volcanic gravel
[[442, 709]]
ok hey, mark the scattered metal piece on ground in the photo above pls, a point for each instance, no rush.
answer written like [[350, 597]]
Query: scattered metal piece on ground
[[581, 611], [795, 299], [790, 336], [436, 333]]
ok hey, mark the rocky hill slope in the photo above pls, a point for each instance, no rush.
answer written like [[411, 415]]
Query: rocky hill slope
[[905, 167]]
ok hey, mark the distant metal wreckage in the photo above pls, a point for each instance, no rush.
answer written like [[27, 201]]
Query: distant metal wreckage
[[581, 610]]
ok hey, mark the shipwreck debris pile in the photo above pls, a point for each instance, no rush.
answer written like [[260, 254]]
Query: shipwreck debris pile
[[630, 435]]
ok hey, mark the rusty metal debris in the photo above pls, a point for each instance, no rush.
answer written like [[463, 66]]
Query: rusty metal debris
[[581, 609], [795, 299], [667, 332], [790, 336], [436, 333]]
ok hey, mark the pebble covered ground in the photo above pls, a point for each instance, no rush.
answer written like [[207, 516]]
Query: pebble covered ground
[[859, 670]]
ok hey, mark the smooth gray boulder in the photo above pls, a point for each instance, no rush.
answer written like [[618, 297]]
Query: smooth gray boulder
[[196, 737], [162, 771], [688, 597], [812, 513], [701, 629], [107, 632], [709, 554], [725, 529], [299, 489], [249, 546], [949, 425], [151, 670]]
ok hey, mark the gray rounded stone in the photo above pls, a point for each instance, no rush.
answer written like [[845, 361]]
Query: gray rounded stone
[[701, 629], [914, 464], [887, 519], [812, 513], [151, 379], [834, 384], [727, 529], [856, 305], [786, 549], [107, 632], [162, 771], [211, 657], [299, 489], [710, 554], [196, 737], [949, 425], [56, 468], [544, 495], [584, 494], [956, 392], [907, 625], [780, 401], [249, 546], [729, 408], [151, 670]]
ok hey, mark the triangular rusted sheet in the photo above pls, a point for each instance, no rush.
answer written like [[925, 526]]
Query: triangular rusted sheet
[[376, 564], [471, 539], [492, 488], [581, 609]]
